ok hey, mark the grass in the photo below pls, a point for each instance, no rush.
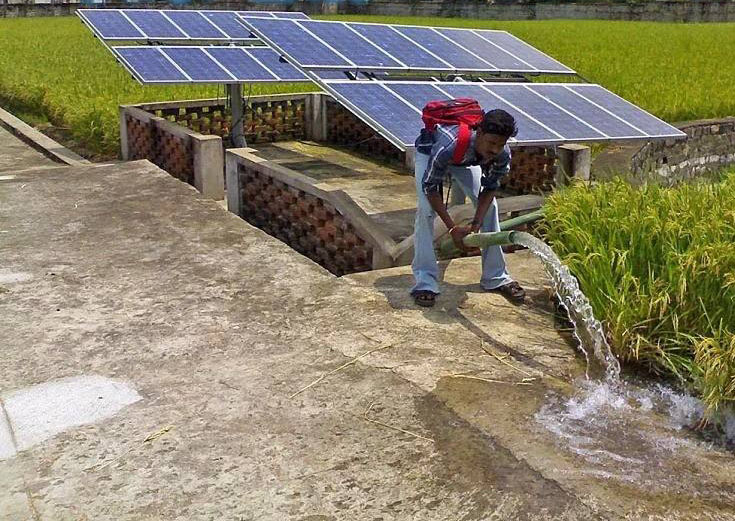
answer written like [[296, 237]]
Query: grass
[[658, 265], [53, 69]]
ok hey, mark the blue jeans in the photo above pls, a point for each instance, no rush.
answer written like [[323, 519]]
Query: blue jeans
[[425, 268]]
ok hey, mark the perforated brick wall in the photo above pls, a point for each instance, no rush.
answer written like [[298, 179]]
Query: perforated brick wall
[[265, 120], [172, 153], [309, 224]]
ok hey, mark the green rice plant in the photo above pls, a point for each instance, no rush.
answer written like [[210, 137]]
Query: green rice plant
[[658, 265]]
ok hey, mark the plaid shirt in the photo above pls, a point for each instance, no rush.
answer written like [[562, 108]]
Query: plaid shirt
[[440, 145]]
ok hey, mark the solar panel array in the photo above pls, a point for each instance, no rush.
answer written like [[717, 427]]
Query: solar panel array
[[172, 24], [347, 45], [546, 113], [206, 64]]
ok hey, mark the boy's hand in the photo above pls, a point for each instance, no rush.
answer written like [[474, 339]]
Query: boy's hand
[[458, 234]]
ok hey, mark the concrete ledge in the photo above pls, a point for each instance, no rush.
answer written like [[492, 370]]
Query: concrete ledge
[[39, 141]]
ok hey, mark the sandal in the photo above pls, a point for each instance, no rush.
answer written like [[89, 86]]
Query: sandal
[[512, 291], [425, 299]]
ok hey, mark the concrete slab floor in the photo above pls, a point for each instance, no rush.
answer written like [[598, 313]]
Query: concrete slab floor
[[16, 155], [122, 272]]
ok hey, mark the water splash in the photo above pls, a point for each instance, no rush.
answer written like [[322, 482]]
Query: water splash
[[587, 329]]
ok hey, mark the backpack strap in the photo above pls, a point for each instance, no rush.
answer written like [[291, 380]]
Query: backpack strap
[[463, 143]]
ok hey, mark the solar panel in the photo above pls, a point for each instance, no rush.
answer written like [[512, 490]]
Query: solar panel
[[523, 51], [196, 25], [545, 113], [403, 49], [241, 64], [173, 24], [283, 70], [440, 45], [206, 64], [351, 45], [197, 64], [322, 44], [153, 24], [150, 65], [110, 24], [301, 46]]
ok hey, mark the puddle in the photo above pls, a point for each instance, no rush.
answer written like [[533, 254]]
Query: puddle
[[633, 434], [42, 411]]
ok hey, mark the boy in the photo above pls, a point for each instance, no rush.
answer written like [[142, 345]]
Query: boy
[[485, 161]]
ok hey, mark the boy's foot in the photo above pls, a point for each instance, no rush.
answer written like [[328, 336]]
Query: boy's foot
[[425, 299], [512, 291]]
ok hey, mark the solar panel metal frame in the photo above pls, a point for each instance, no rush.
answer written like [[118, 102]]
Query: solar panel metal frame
[[134, 72], [406, 68], [327, 85], [82, 14]]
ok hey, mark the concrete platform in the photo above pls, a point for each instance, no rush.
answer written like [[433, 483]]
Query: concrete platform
[[123, 273], [16, 155]]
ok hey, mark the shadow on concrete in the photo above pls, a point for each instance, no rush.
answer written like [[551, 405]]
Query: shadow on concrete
[[449, 305]]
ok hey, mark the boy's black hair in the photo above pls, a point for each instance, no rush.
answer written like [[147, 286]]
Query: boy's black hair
[[500, 123]]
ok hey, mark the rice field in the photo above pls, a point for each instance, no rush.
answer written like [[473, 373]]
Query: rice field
[[658, 266], [53, 69]]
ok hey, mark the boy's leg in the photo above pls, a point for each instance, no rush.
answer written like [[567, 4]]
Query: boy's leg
[[425, 268], [494, 271]]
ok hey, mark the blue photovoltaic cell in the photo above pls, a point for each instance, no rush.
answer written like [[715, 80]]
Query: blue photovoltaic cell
[[528, 130], [484, 49], [229, 22], [194, 24], [522, 50], [583, 109], [394, 115], [543, 111], [629, 112], [400, 47], [197, 64], [110, 24], [417, 95], [289, 37], [272, 60], [153, 24], [240, 63], [350, 44], [441, 46], [150, 64]]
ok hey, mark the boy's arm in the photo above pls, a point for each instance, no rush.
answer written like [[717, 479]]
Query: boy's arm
[[490, 182], [439, 160]]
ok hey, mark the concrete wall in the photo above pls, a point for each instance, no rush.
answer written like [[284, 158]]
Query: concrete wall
[[709, 147], [657, 10]]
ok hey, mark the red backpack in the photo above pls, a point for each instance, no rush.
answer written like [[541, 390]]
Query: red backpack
[[465, 112]]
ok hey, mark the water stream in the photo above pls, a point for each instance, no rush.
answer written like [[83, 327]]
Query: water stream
[[623, 429], [587, 329]]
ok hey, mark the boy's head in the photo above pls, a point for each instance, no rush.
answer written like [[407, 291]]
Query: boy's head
[[493, 132]]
